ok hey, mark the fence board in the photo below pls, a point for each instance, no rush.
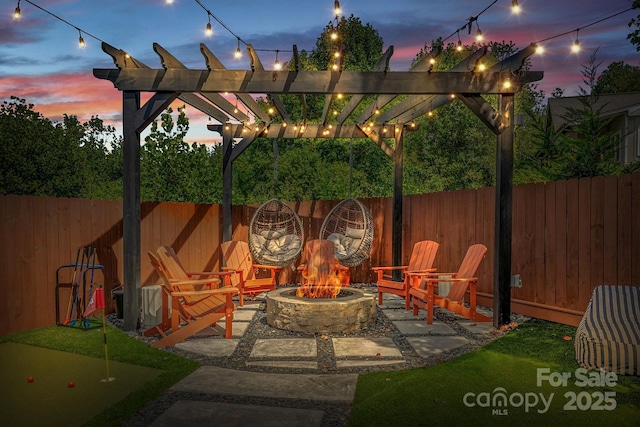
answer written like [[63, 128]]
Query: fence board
[[561, 242], [551, 249], [584, 240], [596, 238], [573, 244], [625, 220], [635, 231], [568, 237], [610, 227]]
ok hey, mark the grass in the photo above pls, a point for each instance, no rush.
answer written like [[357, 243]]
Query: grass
[[435, 395], [121, 348], [427, 396]]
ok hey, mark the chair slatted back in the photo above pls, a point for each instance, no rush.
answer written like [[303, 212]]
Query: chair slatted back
[[237, 255], [423, 254], [468, 268]]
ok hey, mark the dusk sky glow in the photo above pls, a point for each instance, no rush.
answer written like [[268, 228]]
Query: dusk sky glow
[[40, 59]]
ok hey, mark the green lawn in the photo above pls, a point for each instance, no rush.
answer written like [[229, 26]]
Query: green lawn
[[141, 374], [463, 391], [467, 390]]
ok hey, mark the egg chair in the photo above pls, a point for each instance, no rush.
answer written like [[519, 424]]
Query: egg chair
[[275, 234], [349, 226]]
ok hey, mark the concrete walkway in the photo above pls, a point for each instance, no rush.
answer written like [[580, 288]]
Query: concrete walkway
[[427, 340]]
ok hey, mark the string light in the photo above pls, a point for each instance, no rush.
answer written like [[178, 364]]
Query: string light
[[277, 65], [336, 8], [238, 53], [576, 44], [515, 7], [16, 12], [208, 31], [81, 42], [459, 46], [479, 35], [575, 47]]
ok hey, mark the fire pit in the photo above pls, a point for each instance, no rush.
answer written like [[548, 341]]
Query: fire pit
[[351, 310]]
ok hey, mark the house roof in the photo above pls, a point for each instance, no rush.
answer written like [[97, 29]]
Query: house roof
[[609, 105]]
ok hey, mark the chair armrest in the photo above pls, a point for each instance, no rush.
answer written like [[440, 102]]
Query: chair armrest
[[210, 273], [270, 267], [389, 268], [223, 290], [433, 274], [462, 279], [422, 273], [189, 282]]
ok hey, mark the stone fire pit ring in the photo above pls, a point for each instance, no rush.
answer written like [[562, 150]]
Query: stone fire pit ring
[[352, 310]]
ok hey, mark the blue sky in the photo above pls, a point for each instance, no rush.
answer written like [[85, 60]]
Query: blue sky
[[40, 59]]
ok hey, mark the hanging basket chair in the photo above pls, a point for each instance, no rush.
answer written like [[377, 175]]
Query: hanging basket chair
[[275, 234], [349, 226]]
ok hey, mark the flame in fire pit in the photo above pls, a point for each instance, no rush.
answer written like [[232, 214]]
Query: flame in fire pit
[[323, 276]]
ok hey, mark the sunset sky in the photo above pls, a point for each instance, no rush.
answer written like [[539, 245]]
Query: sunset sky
[[40, 59]]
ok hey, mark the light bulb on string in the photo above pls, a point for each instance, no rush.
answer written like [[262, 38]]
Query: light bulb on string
[[479, 35], [336, 8], [81, 42], [539, 49], [276, 64], [459, 46], [16, 13], [515, 7], [575, 47], [208, 30], [238, 53]]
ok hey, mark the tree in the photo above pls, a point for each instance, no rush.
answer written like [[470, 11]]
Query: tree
[[617, 78], [452, 148], [173, 170], [585, 148], [634, 36]]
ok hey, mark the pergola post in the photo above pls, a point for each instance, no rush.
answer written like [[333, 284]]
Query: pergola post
[[131, 210], [227, 184], [396, 231], [503, 215]]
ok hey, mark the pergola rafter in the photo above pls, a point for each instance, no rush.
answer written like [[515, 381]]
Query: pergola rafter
[[424, 89]]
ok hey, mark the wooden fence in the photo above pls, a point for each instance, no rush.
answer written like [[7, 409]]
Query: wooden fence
[[568, 237]]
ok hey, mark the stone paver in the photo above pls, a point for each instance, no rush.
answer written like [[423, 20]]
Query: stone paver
[[478, 327], [365, 347], [324, 387], [284, 347], [391, 301], [210, 347], [237, 328], [435, 345], [361, 363], [420, 327], [294, 364], [195, 414], [244, 314], [402, 314]]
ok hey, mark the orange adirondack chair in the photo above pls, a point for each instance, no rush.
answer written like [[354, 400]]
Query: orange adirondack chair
[[176, 271], [422, 292], [422, 256], [238, 259], [199, 309]]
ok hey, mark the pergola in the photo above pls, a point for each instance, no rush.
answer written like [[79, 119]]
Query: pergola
[[423, 89]]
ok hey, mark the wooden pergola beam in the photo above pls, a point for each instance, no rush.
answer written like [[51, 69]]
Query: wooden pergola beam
[[315, 82]]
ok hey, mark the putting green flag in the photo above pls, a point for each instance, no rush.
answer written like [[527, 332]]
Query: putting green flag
[[96, 302]]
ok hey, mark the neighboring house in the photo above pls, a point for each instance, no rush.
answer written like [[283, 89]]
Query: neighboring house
[[622, 108]]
